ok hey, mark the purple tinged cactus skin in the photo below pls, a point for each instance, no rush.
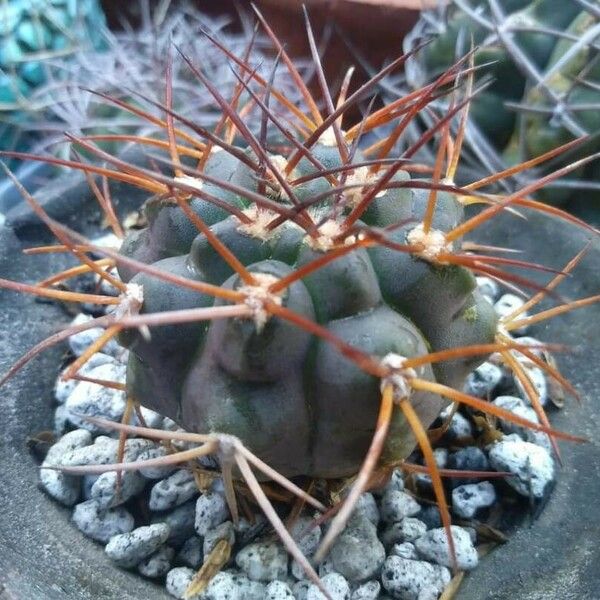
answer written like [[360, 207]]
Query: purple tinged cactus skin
[[292, 398]]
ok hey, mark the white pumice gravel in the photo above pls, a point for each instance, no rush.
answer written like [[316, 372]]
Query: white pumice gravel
[[506, 305], [407, 579], [178, 580], [107, 491], [157, 564], [519, 407], [278, 590], [211, 510], [488, 287], [483, 380], [538, 379], [532, 465], [129, 549], [180, 521], [263, 561], [459, 428], [397, 505], [191, 554], [64, 387], [357, 554], [300, 589], [80, 342], [405, 550], [173, 491], [101, 524], [224, 531], [306, 535], [153, 473], [468, 499], [337, 587], [367, 591], [434, 546]]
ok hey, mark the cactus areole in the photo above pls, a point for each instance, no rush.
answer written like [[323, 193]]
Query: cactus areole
[[294, 399]]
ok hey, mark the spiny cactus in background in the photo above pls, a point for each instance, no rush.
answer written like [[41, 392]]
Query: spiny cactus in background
[[540, 60], [33, 33], [309, 306], [127, 62]]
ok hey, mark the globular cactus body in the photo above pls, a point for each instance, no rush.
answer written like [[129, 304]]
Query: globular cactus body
[[293, 398]]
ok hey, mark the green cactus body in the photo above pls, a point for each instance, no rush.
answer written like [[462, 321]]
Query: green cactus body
[[294, 399]]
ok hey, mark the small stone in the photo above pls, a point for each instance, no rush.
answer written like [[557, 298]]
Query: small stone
[[61, 420], [506, 305], [278, 590], [300, 589], [224, 531], [470, 458], [406, 579], [64, 387], [191, 554], [153, 473], [306, 534], [468, 499], [99, 524], [532, 465], [519, 407], [129, 549], [106, 491], [94, 400], [151, 418], [178, 580], [157, 564], [430, 515], [335, 584], [326, 567], [357, 554], [527, 340], [367, 591], [173, 491], [407, 530], [211, 510], [483, 380], [539, 382], [441, 458], [64, 488], [180, 521], [80, 342], [263, 561], [104, 451], [434, 546], [459, 427], [367, 506], [395, 506], [405, 550], [246, 588], [395, 483], [488, 287]]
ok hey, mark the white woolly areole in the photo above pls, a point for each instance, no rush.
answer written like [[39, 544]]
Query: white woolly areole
[[256, 295], [130, 301], [259, 219], [399, 376], [327, 138], [194, 182], [328, 232], [359, 175], [279, 163], [433, 243]]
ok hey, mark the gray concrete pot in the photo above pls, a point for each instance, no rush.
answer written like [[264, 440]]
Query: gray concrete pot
[[43, 557]]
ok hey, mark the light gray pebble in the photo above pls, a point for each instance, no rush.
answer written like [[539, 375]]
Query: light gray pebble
[[300, 589], [80, 342], [173, 491], [306, 536], [64, 387], [180, 521], [99, 524], [278, 590], [151, 418], [211, 510], [367, 591], [397, 505], [263, 561], [224, 531], [507, 304], [470, 498], [395, 483], [299, 573], [326, 567], [441, 460], [407, 530], [539, 382], [405, 550], [178, 580], [367, 506], [244, 588], [357, 554], [337, 587], [483, 380], [405, 579], [87, 483], [527, 340], [61, 420], [64, 488], [532, 465], [129, 549], [459, 427], [519, 407], [155, 472], [434, 546], [191, 554], [108, 493], [94, 400], [157, 564], [488, 287], [104, 451]]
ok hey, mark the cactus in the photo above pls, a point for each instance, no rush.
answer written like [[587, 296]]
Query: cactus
[[304, 309], [540, 65]]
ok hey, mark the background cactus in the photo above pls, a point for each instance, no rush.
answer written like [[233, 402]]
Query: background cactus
[[541, 67]]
